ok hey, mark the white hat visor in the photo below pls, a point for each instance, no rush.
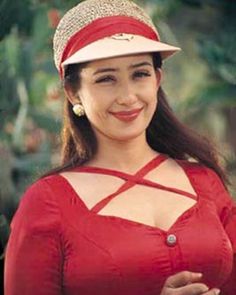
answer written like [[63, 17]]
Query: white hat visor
[[119, 45]]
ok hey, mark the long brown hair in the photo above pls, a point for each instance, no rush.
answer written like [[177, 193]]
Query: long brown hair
[[165, 133]]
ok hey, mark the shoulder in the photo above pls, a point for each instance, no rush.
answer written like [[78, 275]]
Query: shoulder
[[43, 190], [38, 207], [202, 174], [208, 183], [38, 193]]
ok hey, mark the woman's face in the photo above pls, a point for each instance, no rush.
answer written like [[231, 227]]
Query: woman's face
[[119, 95]]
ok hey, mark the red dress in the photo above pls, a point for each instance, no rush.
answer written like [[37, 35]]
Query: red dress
[[59, 246]]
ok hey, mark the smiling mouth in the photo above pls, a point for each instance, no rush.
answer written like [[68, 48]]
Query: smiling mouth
[[127, 116]]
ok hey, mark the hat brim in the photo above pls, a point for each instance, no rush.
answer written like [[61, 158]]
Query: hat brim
[[115, 47]]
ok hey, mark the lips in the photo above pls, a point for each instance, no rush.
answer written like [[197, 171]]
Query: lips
[[127, 116]]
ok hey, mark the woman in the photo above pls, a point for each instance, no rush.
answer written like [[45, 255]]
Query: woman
[[126, 213]]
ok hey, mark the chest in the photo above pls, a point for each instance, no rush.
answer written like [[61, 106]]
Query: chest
[[153, 207], [148, 202]]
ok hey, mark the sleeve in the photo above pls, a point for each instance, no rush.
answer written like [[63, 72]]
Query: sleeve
[[227, 212], [33, 262]]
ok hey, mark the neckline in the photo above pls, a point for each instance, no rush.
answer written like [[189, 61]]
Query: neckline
[[157, 160], [154, 162], [176, 225]]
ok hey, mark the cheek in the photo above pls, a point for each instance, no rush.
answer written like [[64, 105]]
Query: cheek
[[149, 88], [153, 106], [150, 94], [95, 107], [152, 101]]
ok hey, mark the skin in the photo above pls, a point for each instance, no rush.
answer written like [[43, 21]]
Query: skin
[[123, 84], [187, 283], [131, 82]]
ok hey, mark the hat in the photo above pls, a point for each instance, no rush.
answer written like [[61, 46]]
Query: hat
[[97, 29]]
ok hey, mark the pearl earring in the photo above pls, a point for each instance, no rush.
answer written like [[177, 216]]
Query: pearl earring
[[78, 110]]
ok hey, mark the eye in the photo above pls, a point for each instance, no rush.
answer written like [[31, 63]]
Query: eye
[[141, 74], [105, 79]]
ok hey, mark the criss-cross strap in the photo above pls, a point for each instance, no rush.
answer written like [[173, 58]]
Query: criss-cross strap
[[150, 183], [131, 180], [130, 183], [125, 176]]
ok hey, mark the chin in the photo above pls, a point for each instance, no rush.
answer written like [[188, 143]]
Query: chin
[[123, 133], [126, 136]]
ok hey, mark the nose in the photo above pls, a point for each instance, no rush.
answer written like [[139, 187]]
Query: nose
[[127, 94]]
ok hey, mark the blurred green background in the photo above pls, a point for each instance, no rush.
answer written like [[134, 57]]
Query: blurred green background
[[200, 82]]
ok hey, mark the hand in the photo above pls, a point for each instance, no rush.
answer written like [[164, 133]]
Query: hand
[[187, 283]]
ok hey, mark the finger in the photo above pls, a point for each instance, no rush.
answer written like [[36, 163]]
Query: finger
[[213, 291], [193, 289], [182, 278]]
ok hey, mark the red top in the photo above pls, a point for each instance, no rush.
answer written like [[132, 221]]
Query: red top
[[58, 246]]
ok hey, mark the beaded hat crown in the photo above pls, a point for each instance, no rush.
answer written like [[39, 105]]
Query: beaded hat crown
[[96, 29]]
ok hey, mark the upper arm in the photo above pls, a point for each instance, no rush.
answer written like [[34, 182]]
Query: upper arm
[[227, 211], [33, 254], [224, 202]]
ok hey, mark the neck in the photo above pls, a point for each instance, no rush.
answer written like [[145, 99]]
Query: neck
[[126, 156]]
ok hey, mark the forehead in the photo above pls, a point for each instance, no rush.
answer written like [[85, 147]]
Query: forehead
[[118, 62]]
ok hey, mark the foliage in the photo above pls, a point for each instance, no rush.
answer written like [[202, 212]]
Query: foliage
[[29, 88], [216, 47], [15, 13]]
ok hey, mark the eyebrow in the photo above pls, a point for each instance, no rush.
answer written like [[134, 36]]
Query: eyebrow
[[141, 64]]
